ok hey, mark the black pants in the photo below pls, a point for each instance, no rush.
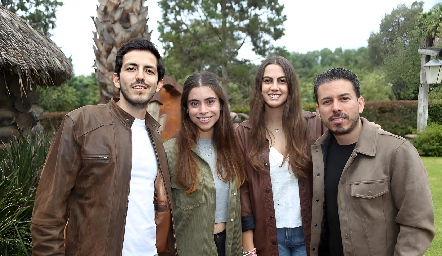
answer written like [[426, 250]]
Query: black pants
[[220, 241]]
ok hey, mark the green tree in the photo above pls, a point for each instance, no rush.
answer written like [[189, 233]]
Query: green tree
[[74, 93], [209, 33], [402, 69], [58, 98], [395, 48], [374, 86], [40, 14], [86, 87], [430, 24], [398, 27]]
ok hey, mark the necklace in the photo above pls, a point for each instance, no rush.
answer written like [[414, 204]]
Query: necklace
[[272, 138], [205, 147]]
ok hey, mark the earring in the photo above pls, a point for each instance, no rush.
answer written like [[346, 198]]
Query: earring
[[187, 111]]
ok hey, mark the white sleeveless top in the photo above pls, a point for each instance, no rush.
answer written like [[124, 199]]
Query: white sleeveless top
[[285, 192]]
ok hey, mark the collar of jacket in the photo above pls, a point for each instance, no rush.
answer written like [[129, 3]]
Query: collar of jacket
[[367, 141], [127, 119]]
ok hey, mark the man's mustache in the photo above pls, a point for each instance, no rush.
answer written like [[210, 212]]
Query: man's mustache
[[138, 83], [338, 115]]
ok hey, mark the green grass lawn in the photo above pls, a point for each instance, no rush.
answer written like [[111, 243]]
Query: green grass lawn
[[434, 168]]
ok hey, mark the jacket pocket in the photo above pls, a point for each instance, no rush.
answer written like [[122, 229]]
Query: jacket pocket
[[368, 198], [95, 158], [369, 189], [185, 201]]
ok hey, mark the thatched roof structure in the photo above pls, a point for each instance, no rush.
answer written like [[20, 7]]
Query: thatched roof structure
[[29, 55]]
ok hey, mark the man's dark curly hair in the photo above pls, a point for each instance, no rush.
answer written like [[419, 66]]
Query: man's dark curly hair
[[337, 74], [141, 45]]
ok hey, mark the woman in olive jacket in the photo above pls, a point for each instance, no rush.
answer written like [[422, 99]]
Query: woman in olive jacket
[[206, 172], [276, 148]]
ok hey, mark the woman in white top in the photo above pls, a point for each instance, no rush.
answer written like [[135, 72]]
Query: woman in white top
[[276, 198]]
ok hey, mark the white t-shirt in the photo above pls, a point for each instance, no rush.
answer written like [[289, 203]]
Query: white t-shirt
[[285, 192], [140, 229]]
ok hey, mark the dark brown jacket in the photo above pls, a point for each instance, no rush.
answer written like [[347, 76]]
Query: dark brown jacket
[[257, 205], [82, 197]]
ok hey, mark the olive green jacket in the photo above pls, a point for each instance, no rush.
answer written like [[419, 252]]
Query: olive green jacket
[[194, 214]]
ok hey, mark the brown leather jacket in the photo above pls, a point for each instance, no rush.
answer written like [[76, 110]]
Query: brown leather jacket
[[257, 207], [82, 197]]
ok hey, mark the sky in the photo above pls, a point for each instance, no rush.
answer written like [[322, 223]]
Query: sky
[[311, 25]]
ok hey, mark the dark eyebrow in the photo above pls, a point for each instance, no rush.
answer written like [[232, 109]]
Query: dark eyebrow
[[209, 98], [272, 77], [135, 64]]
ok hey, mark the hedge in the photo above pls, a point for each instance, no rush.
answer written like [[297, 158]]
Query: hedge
[[398, 117]]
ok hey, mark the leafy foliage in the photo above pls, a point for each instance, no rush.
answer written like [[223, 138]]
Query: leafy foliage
[[395, 47], [40, 14], [61, 98], [208, 34], [403, 71], [21, 161], [430, 24], [76, 92], [374, 86], [398, 27], [429, 142]]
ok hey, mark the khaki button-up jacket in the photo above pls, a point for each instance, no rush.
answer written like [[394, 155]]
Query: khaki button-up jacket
[[384, 198]]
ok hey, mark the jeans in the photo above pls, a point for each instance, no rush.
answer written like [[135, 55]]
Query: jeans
[[291, 242]]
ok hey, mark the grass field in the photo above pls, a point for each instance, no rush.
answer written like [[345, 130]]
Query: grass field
[[434, 168]]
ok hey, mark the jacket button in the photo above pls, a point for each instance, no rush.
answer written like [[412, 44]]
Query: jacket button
[[313, 249], [272, 218], [316, 225], [318, 174], [265, 164], [317, 200], [267, 190]]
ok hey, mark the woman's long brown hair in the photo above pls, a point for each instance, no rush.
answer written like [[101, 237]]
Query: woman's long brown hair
[[228, 162], [293, 122]]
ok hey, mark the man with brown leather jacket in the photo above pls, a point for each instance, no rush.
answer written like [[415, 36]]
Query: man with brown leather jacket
[[105, 187]]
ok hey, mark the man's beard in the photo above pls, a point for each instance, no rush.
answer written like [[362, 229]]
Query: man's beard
[[340, 130], [136, 102]]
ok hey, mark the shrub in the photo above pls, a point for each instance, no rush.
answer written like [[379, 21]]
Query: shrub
[[429, 142], [21, 161]]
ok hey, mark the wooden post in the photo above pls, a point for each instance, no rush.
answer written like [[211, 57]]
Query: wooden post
[[422, 107], [422, 99]]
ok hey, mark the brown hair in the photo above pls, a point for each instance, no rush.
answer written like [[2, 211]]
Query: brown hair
[[228, 163], [293, 122]]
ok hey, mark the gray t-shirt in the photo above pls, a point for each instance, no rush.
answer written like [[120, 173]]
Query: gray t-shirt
[[207, 152]]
